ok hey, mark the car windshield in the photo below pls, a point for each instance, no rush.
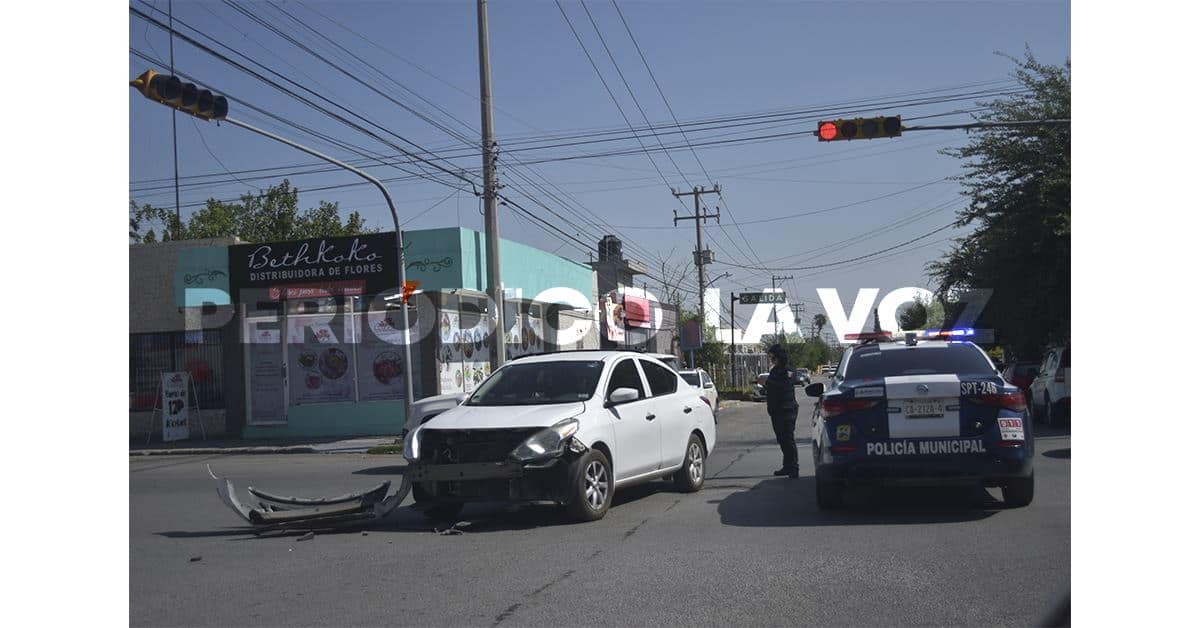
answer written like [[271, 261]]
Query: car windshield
[[691, 378], [539, 383], [953, 358]]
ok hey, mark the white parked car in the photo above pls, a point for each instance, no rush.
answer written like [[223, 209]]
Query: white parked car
[[699, 379], [568, 427], [1050, 391]]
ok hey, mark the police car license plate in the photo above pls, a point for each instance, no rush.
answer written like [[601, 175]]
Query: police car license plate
[[924, 408]]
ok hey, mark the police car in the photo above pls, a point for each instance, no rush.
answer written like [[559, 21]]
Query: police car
[[929, 409]]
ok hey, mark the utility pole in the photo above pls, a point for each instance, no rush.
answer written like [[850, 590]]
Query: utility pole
[[774, 308], [701, 255], [491, 220], [797, 309]]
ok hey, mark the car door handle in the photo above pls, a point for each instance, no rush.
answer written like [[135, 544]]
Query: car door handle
[[687, 409], [650, 417]]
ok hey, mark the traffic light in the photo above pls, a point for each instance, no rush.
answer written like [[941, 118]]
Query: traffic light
[[859, 128], [185, 97]]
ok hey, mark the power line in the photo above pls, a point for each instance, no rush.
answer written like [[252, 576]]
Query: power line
[[854, 259]]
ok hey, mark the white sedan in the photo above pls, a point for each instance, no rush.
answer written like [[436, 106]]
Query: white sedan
[[699, 379], [568, 427]]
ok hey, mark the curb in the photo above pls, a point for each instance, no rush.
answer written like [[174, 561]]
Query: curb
[[296, 449]]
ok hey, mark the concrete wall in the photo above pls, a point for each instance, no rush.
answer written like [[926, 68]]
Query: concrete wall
[[153, 272]]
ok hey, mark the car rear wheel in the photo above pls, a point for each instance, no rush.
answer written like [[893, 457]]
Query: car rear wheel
[[829, 493], [690, 477], [592, 486], [1018, 492]]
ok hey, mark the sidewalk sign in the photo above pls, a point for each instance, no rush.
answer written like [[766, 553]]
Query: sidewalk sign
[[172, 404]]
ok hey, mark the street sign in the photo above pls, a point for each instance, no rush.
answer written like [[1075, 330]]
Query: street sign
[[690, 337], [754, 298]]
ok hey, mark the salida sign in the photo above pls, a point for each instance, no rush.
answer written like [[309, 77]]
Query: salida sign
[[362, 264]]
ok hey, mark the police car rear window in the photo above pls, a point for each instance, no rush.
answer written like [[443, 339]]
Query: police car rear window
[[956, 359]]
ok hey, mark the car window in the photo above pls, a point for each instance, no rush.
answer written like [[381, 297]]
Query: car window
[[1028, 370], [662, 380], [625, 375], [539, 383], [705, 378], [691, 378], [1066, 358], [957, 359]]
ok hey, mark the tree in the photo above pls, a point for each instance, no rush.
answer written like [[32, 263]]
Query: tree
[[912, 316], [819, 322], [1018, 184], [271, 215]]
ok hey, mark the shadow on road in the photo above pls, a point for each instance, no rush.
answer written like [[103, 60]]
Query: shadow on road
[[395, 469], [785, 502], [1064, 454]]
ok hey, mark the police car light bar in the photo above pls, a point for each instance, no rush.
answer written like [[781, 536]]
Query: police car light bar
[[949, 333]]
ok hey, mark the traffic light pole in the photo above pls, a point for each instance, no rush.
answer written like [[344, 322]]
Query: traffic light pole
[[408, 374], [732, 330]]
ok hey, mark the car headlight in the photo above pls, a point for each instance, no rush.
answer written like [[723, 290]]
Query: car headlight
[[546, 443], [412, 444]]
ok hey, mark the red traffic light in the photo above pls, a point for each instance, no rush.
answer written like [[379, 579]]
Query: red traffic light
[[859, 128]]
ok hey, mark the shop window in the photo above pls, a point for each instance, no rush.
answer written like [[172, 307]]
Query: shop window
[[196, 352]]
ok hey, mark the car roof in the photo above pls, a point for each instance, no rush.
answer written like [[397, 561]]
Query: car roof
[[580, 356]]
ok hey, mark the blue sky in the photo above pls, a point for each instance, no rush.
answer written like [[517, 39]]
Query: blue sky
[[711, 59]]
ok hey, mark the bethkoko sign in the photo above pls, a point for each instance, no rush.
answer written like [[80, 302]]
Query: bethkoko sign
[[351, 265]]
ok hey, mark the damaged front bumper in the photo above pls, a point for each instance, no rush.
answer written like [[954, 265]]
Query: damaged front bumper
[[490, 481]]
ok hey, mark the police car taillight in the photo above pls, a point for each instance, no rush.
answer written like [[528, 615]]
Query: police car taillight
[[834, 407], [706, 401], [1014, 401]]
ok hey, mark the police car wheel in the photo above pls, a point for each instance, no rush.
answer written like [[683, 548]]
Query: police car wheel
[[690, 477], [829, 494], [1018, 492], [592, 486]]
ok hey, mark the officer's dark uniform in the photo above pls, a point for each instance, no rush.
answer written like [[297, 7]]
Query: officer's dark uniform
[[782, 406]]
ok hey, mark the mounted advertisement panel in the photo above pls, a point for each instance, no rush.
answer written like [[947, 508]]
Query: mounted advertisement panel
[[349, 265]]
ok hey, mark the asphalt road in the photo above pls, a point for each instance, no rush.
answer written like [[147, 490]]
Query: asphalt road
[[749, 549]]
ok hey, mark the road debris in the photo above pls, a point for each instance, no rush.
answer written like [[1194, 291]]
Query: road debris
[[308, 536]]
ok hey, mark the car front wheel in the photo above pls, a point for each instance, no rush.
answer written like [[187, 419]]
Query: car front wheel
[[690, 477], [592, 486]]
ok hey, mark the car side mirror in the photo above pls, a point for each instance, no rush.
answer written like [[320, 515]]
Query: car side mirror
[[815, 390], [622, 395]]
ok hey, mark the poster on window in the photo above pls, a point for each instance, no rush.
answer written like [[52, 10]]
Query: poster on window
[[319, 360], [381, 358], [450, 352], [265, 371], [175, 406]]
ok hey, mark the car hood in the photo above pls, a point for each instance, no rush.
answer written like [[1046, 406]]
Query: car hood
[[499, 417]]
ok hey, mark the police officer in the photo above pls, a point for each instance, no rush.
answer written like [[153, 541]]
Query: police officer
[[782, 407]]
